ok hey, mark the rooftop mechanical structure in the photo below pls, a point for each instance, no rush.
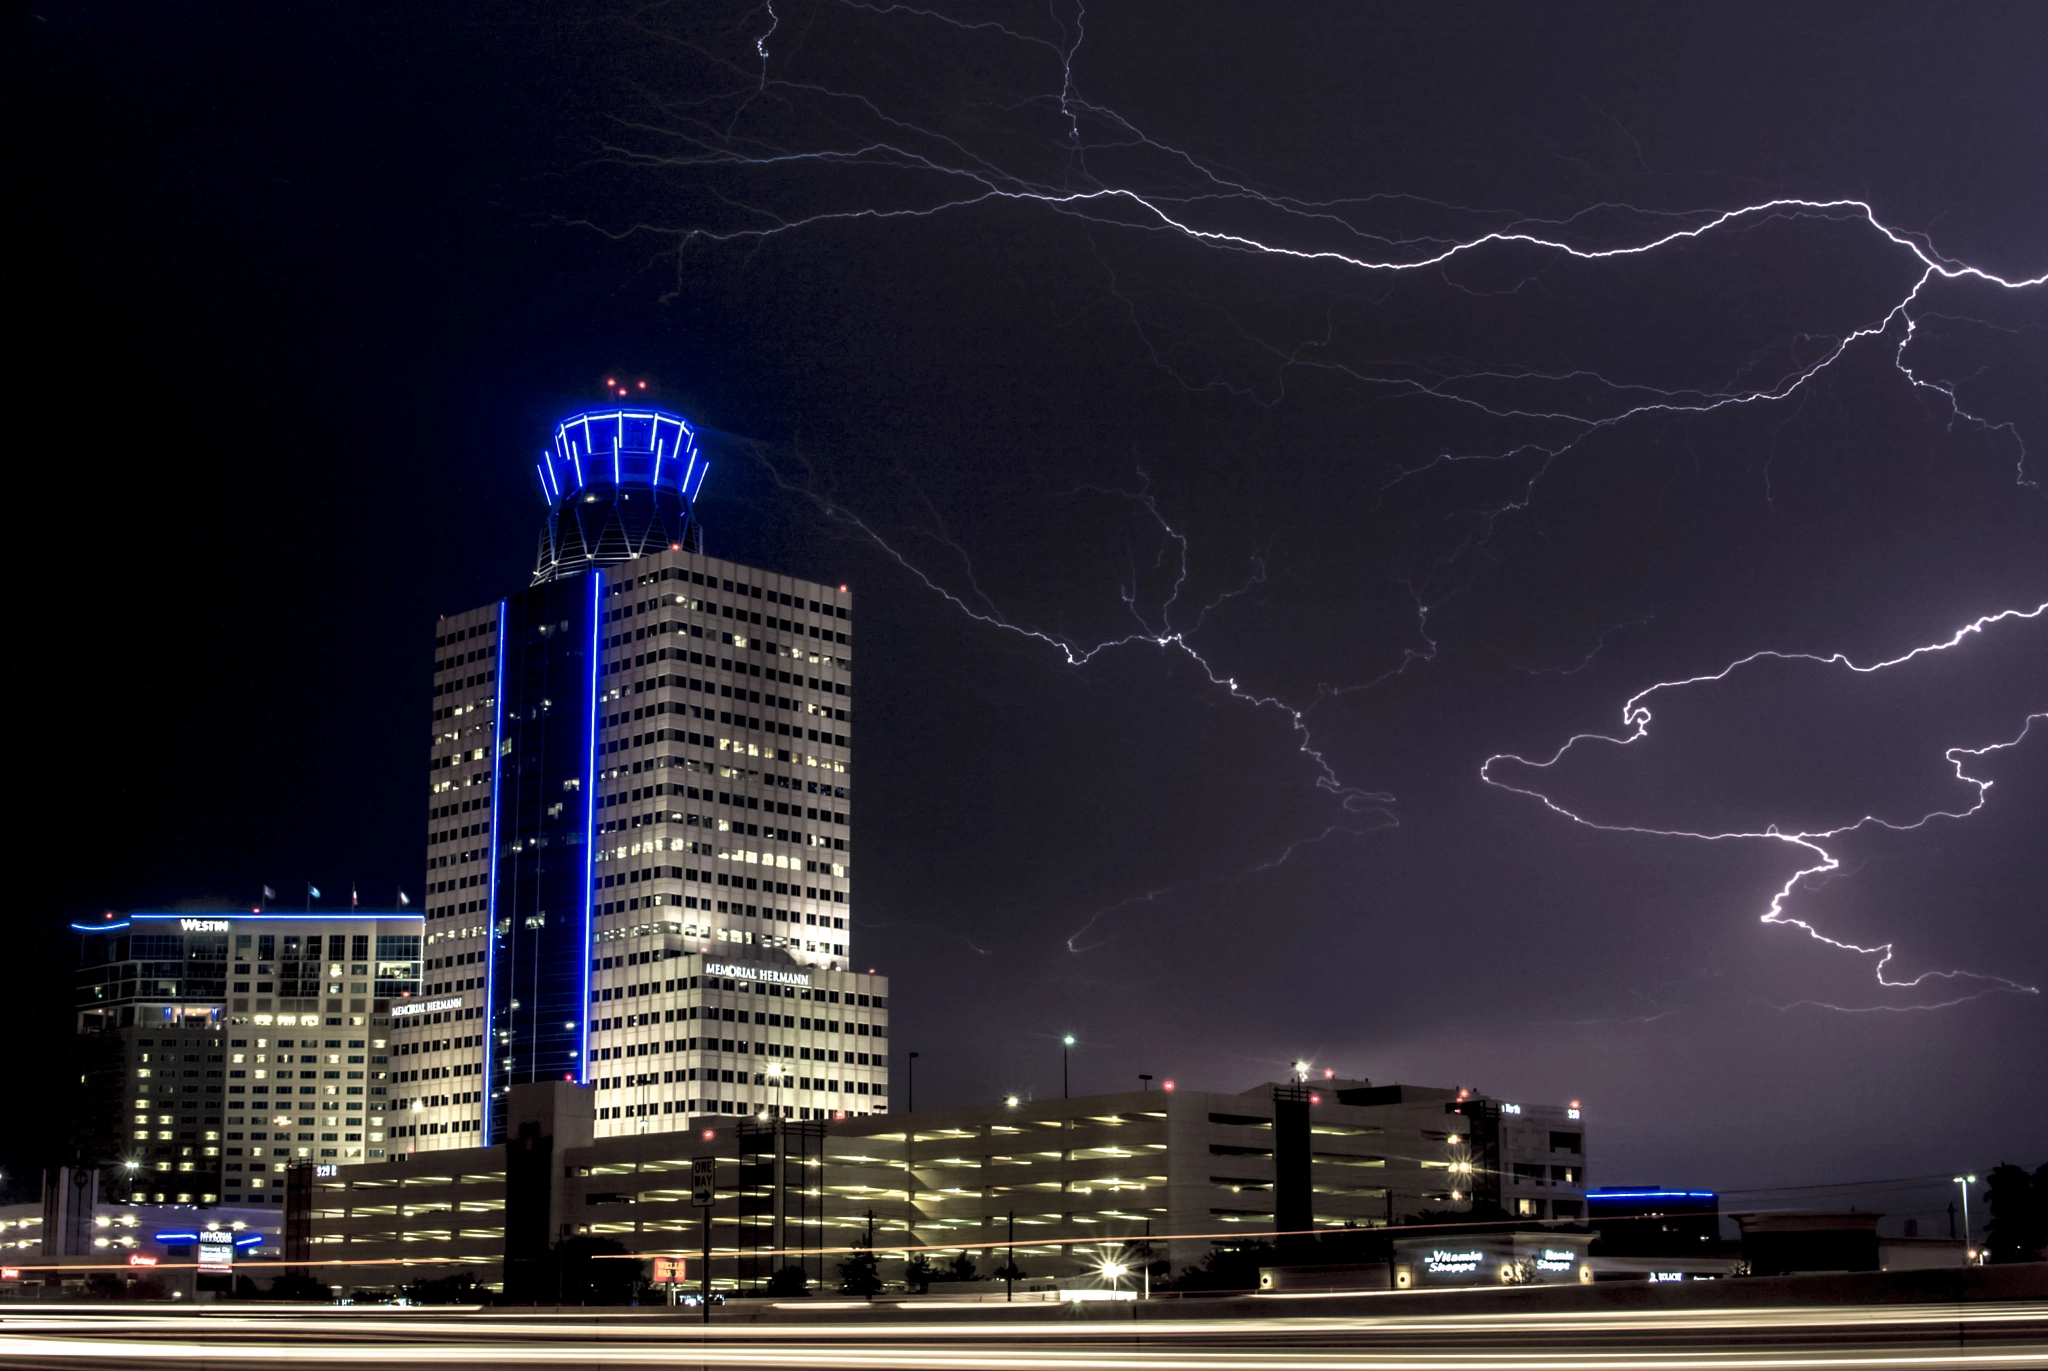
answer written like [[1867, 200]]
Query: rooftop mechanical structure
[[620, 483]]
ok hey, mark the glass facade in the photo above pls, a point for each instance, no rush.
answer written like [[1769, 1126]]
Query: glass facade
[[541, 828]]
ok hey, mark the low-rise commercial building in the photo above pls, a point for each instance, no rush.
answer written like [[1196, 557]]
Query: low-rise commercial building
[[1153, 1176], [79, 1241]]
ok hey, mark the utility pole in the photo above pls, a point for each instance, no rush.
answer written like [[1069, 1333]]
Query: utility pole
[[1010, 1272], [1066, 1043], [910, 1086], [704, 1195], [1390, 1239]]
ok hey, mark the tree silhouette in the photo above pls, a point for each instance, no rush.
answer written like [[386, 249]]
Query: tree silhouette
[[2018, 1230], [858, 1275]]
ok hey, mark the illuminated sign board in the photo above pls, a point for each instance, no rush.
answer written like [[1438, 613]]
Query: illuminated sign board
[[669, 1271], [1442, 1263], [217, 1252], [1556, 1259], [327, 1169], [758, 973], [203, 925], [13, 1273], [1511, 1109], [1667, 1275], [424, 1006], [141, 1259]]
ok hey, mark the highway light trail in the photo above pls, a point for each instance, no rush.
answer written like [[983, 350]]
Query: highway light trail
[[1919, 1336]]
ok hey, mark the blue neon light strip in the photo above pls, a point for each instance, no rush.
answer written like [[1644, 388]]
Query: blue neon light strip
[[590, 824], [1649, 1194], [575, 440], [491, 900], [702, 472], [253, 1240], [314, 917], [101, 928]]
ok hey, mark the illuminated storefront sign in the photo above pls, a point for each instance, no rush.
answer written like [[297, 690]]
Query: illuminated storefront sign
[[425, 1006], [203, 925], [757, 973], [1452, 1263], [216, 1252], [1514, 1258]]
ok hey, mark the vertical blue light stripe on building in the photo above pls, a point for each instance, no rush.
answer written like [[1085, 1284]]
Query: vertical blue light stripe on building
[[491, 900], [590, 816]]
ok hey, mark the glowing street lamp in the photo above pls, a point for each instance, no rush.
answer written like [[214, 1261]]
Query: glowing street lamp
[[1966, 1182], [1066, 1043]]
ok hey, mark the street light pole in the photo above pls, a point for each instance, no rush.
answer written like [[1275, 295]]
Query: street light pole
[[1965, 1182], [1145, 1080], [1066, 1042], [1010, 1272]]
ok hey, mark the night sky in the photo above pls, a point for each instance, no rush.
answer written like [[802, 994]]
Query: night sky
[[1210, 521]]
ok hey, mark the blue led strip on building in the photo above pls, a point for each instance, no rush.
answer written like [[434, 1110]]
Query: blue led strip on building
[[315, 917], [590, 816], [491, 900]]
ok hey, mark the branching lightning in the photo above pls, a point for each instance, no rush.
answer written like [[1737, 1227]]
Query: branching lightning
[[1636, 718], [1065, 155], [1156, 628]]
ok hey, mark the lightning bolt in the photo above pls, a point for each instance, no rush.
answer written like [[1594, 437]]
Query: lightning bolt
[[1051, 150], [1636, 718], [890, 147], [1365, 809]]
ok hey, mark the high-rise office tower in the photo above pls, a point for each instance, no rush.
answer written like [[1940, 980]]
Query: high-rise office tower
[[638, 824], [224, 1046]]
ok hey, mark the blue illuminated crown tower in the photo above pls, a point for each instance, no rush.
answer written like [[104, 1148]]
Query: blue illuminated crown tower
[[620, 484]]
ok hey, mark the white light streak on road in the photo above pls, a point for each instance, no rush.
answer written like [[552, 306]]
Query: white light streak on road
[[2008, 1334]]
